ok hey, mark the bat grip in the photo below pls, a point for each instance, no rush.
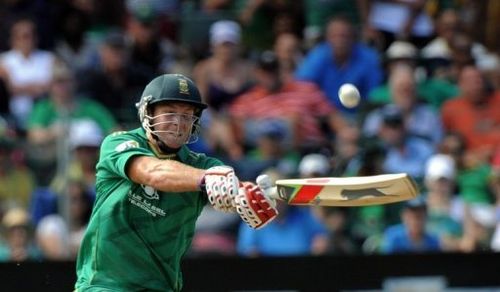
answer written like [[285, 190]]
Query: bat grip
[[265, 183], [272, 193]]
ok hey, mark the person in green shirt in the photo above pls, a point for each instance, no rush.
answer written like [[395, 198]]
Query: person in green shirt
[[150, 189]]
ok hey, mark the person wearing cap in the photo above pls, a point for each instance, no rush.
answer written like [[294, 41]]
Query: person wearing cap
[[221, 77], [403, 152], [301, 104], [445, 208], [410, 236], [19, 245], [151, 188], [272, 149], [419, 118], [431, 89], [84, 138]]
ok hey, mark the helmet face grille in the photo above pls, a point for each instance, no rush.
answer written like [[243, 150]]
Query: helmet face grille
[[177, 127], [170, 88]]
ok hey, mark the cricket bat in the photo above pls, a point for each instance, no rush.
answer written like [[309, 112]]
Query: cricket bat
[[342, 191]]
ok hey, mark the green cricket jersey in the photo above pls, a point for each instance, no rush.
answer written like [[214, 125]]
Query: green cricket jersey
[[137, 235]]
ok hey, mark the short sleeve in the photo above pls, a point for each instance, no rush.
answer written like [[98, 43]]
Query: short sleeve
[[116, 151]]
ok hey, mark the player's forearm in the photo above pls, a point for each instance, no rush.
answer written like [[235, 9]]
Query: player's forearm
[[165, 175]]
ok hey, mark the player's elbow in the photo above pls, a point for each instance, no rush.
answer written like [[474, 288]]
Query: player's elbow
[[141, 170]]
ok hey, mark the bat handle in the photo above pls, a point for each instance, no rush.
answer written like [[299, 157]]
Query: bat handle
[[265, 183]]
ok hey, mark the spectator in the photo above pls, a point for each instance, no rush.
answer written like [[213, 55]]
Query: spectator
[[314, 165], [19, 245], [272, 150], [85, 138], [51, 118], [295, 232], [225, 74], [411, 235], [472, 173], [115, 82], [300, 104], [221, 78], [451, 35], [479, 226], [341, 59], [75, 46], [347, 150], [288, 50], [448, 25], [475, 114], [59, 237], [16, 180], [215, 233], [431, 89], [336, 221], [64, 100], [398, 20], [419, 119], [404, 152], [149, 49], [25, 69], [262, 21], [445, 208], [495, 188], [52, 237], [80, 208], [317, 13]]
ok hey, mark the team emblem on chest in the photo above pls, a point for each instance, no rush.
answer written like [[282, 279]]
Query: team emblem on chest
[[150, 192]]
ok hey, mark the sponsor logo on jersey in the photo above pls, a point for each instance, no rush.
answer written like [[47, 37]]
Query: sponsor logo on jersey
[[141, 201], [127, 145]]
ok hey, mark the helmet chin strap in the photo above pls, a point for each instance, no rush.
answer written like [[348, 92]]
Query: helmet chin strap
[[164, 148]]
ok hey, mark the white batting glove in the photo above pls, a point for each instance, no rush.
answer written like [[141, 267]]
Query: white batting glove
[[254, 207], [221, 186]]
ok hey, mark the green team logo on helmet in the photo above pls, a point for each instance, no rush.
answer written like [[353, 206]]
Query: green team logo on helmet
[[183, 86]]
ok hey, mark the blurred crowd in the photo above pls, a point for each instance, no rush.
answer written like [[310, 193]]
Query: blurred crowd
[[428, 72]]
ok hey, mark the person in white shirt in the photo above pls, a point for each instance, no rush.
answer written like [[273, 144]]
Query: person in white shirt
[[26, 70]]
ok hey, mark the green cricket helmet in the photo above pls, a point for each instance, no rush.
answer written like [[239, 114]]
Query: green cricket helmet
[[170, 88]]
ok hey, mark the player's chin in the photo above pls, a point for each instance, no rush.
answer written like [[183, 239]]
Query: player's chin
[[174, 141]]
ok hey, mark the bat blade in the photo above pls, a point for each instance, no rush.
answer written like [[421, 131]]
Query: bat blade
[[346, 191]]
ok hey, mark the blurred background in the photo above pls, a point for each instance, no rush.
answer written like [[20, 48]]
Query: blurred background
[[428, 71]]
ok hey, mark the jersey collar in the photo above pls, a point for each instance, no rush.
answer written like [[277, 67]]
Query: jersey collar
[[181, 155]]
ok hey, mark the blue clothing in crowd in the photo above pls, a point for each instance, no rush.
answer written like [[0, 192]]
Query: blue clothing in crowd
[[363, 69], [411, 159], [396, 240], [291, 235]]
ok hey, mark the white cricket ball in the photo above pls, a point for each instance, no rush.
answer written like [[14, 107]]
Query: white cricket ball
[[349, 95]]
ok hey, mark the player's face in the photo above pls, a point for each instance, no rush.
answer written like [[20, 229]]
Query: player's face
[[173, 122]]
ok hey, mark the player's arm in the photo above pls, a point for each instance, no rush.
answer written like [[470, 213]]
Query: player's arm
[[164, 175], [222, 187], [219, 183]]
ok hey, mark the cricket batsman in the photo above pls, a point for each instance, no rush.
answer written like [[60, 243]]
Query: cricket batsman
[[150, 191]]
